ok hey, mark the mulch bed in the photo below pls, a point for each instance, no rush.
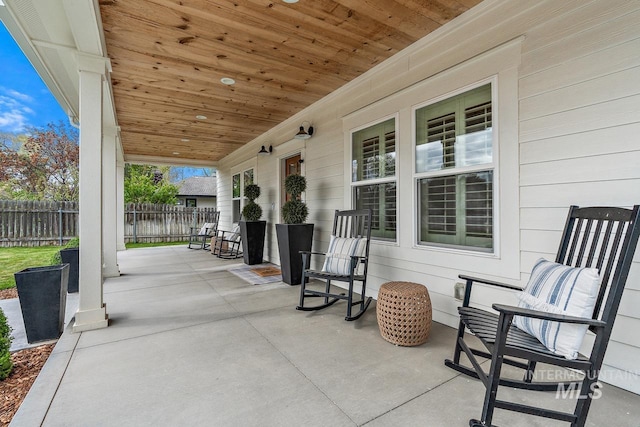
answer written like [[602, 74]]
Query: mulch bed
[[27, 364], [8, 293]]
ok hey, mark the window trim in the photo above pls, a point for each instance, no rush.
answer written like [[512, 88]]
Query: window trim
[[494, 166], [240, 170], [375, 181]]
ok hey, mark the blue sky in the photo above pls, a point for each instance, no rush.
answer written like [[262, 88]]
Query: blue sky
[[24, 98]]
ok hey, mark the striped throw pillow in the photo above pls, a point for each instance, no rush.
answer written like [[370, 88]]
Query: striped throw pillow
[[235, 234], [338, 257], [205, 228], [557, 288]]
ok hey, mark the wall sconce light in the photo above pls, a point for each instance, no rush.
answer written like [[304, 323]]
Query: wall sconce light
[[302, 134], [264, 152]]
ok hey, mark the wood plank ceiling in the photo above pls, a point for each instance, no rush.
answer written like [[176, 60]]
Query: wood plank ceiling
[[168, 57]]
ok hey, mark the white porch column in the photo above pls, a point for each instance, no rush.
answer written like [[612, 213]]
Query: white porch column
[[109, 202], [91, 312], [120, 206]]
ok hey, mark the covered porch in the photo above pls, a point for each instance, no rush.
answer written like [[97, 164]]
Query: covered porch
[[190, 343]]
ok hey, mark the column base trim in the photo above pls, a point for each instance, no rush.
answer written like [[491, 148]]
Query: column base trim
[[111, 271], [88, 320]]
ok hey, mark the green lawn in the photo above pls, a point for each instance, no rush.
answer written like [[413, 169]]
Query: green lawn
[[15, 259], [150, 245]]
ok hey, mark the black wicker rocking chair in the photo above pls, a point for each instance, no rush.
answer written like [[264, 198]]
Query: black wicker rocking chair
[[346, 260], [596, 237]]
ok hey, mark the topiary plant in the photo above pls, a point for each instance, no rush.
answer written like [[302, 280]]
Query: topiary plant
[[6, 365], [252, 211], [295, 211], [56, 258]]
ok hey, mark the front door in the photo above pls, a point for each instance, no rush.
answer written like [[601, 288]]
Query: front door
[[291, 167]]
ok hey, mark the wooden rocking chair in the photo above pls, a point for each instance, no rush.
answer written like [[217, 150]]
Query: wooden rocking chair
[[346, 260], [588, 277]]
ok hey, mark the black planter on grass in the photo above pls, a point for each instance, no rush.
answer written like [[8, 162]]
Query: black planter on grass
[[43, 297], [71, 256], [293, 238]]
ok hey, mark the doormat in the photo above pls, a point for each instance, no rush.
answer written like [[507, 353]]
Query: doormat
[[245, 272], [266, 271]]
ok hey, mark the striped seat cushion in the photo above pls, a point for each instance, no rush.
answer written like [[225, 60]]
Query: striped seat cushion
[[557, 288], [341, 249]]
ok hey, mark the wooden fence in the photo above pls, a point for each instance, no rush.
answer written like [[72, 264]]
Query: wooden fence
[[162, 223], [41, 223]]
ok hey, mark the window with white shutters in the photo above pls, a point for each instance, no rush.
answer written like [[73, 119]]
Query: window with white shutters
[[454, 170], [373, 178]]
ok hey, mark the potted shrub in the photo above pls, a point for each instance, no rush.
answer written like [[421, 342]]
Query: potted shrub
[[70, 254], [42, 292], [252, 230], [294, 235]]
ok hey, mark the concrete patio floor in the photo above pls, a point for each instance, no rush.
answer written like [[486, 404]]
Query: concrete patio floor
[[191, 344]]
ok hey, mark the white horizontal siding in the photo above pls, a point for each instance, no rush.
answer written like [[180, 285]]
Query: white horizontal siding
[[580, 117], [598, 142], [577, 120]]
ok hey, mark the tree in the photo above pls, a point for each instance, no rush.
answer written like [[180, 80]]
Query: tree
[[148, 184], [41, 164]]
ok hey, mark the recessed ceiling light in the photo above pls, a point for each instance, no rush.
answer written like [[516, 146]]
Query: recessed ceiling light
[[227, 80], [185, 140], [201, 117], [290, 1], [176, 153]]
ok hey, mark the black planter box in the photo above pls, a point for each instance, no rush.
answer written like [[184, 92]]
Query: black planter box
[[293, 238], [71, 256], [252, 234], [43, 297]]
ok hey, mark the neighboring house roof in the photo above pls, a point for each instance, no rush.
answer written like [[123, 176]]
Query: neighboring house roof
[[202, 186]]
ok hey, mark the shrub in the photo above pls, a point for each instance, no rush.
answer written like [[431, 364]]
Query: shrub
[[252, 211], [6, 365], [252, 192], [73, 243], [295, 211]]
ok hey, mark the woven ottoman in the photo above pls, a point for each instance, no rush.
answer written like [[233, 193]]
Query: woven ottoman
[[403, 310]]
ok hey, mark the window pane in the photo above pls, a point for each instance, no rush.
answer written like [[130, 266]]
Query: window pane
[[475, 146], [479, 205], [235, 210], [457, 209], [248, 177], [374, 151], [236, 185], [455, 132], [381, 199]]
